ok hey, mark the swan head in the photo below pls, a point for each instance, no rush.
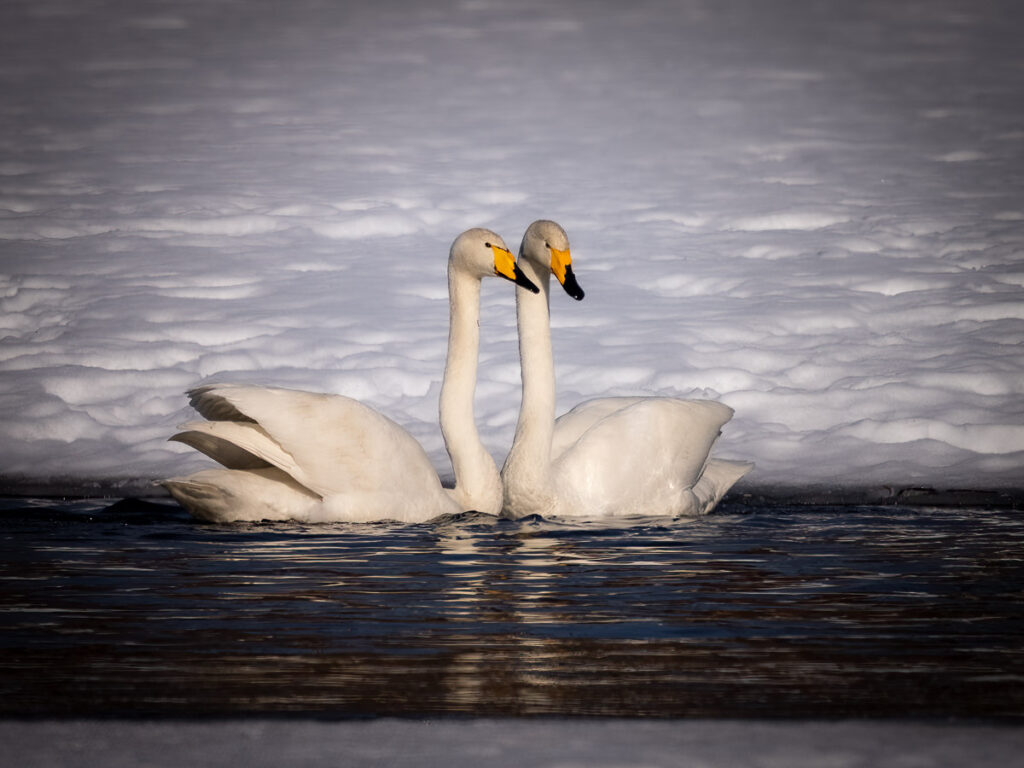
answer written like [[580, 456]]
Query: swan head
[[482, 253], [546, 246]]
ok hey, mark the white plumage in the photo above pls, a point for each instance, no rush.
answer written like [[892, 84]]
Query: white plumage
[[618, 456], [292, 455]]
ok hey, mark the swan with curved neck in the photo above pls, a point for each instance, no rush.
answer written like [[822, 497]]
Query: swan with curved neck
[[614, 456], [292, 455]]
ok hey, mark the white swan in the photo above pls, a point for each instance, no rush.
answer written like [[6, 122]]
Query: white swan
[[291, 455], [615, 456]]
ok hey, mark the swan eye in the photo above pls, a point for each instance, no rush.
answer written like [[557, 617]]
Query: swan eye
[[487, 245], [547, 245]]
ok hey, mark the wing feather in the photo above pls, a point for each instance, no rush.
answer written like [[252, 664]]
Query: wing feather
[[643, 458], [331, 444]]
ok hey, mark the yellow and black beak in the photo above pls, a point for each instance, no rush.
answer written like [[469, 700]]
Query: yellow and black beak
[[561, 266], [505, 266]]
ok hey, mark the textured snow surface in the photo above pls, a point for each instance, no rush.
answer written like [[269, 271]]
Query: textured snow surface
[[813, 212], [512, 743]]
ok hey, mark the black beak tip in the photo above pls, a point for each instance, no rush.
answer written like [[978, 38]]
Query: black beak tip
[[571, 286], [524, 281]]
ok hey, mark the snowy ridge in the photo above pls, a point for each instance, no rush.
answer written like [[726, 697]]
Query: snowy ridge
[[814, 215]]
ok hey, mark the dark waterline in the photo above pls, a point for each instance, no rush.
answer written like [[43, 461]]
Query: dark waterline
[[137, 610]]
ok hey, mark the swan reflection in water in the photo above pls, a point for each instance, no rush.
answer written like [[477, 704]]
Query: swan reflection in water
[[798, 611], [542, 601]]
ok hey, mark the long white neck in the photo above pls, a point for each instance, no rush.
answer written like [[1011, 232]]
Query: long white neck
[[477, 484], [529, 459]]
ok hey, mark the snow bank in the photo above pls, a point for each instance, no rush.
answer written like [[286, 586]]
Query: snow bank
[[811, 213], [500, 743]]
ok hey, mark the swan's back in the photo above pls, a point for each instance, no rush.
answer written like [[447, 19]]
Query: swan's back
[[570, 426], [640, 459]]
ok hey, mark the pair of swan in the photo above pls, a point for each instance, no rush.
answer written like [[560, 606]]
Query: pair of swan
[[290, 455]]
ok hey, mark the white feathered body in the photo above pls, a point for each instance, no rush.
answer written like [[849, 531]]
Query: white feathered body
[[292, 455], [626, 457], [609, 457]]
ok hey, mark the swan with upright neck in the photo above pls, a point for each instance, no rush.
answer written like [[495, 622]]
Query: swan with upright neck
[[613, 456], [292, 455]]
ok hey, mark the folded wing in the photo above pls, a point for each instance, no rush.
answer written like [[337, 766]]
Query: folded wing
[[646, 457], [329, 444]]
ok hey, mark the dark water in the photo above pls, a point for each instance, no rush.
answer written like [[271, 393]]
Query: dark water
[[772, 612]]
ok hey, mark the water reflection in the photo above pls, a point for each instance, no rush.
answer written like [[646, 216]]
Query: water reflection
[[800, 612]]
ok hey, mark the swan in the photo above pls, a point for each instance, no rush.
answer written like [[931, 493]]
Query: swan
[[613, 456], [291, 455]]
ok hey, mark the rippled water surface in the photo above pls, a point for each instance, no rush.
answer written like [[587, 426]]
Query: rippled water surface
[[766, 612]]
